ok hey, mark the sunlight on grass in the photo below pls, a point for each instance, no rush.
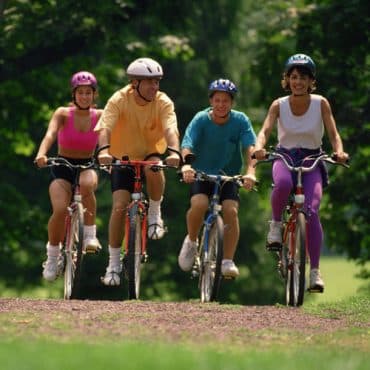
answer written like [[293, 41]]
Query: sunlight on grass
[[47, 355], [340, 279]]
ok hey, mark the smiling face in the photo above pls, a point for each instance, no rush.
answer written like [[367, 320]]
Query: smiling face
[[221, 103], [84, 96], [298, 81], [147, 89]]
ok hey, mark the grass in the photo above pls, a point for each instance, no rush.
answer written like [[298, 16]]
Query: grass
[[135, 356], [340, 279], [42, 355], [344, 349]]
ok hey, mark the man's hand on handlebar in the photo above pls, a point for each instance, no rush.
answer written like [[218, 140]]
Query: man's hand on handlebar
[[188, 173]]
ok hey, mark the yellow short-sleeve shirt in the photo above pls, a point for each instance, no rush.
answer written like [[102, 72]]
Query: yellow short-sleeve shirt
[[137, 131]]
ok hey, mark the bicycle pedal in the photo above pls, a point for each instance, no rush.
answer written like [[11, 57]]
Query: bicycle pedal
[[274, 247], [92, 251], [144, 258], [229, 277], [316, 289]]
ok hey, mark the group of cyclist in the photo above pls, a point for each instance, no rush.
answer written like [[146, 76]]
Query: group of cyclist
[[139, 121]]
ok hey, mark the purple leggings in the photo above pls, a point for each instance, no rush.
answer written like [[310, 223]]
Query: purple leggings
[[312, 183]]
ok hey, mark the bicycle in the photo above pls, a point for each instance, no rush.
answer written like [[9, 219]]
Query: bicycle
[[207, 264], [134, 244], [72, 251], [293, 253]]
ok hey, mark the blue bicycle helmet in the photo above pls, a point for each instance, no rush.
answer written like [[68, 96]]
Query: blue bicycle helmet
[[300, 60], [222, 85]]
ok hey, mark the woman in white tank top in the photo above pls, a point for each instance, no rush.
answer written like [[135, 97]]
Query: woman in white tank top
[[301, 120]]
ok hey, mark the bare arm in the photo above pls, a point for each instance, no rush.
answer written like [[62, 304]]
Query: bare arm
[[331, 129], [172, 140], [250, 171], [56, 122], [104, 156], [266, 129]]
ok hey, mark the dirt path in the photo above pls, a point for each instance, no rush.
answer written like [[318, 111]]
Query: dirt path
[[173, 322]]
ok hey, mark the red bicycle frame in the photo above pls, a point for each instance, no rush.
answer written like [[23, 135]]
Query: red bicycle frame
[[136, 198]]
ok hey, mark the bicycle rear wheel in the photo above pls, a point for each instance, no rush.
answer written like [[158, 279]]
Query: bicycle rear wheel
[[297, 263], [73, 254], [210, 261], [134, 255]]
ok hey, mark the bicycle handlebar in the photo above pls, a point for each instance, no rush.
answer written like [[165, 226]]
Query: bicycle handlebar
[[60, 161], [202, 176], [154, 165], [271, 156]]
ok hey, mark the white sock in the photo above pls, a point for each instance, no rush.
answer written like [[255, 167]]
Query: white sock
[[89, 231], [52, 251], [155, 206], [226, 261], [114, 256]]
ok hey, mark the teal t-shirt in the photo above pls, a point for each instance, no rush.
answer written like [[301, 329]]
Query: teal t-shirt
[[219, 147]]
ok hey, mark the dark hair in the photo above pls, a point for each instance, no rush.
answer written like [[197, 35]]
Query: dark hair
[[302, 70]]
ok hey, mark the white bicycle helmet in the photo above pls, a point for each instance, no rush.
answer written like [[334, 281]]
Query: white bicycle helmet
[[143, 68]]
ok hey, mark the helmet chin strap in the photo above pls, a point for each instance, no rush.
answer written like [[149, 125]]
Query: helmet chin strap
[[138, 91], [78, 106]]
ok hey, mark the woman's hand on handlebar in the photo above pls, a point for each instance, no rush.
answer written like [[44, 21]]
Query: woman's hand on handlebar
[[341, 157], [41, 161]]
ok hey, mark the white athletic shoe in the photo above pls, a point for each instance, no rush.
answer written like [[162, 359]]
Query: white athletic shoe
[[229, 269], [156, 228], [187, 254], [51, 268], [274, 236], [112, 276], [316, 282], [91, 245]]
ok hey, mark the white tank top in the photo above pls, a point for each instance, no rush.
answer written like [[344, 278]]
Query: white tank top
[[304, 131]]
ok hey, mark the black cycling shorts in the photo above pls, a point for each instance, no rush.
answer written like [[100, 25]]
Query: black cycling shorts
[[228, 190], [66, 173], [123, 179]]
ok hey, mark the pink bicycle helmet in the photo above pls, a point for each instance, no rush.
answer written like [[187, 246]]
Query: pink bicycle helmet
[[83, 78]]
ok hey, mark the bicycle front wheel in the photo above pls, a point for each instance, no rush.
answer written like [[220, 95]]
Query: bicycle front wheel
[[134, 253], [297, 263], [73, 253], [211, 253]]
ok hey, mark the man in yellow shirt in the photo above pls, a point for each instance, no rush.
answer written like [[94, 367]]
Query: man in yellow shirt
[[139, 121]]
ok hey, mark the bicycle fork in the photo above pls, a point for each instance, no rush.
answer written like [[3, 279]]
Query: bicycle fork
[[141, 208]]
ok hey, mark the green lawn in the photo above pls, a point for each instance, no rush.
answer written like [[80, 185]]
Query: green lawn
[[141, 356], [344, 349], [340, 279]]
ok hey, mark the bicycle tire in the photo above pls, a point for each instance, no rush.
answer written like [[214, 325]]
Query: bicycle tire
[[134, 253], [296, 273], [210, 265], [74, 255]]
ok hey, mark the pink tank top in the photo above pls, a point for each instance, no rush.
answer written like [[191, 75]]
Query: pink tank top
[[70, 138]]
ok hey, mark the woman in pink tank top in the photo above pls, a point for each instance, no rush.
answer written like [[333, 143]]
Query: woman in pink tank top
[[73, 129]]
